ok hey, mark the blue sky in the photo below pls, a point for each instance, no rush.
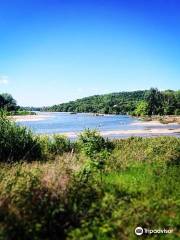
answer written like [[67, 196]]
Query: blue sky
[[53, 51]]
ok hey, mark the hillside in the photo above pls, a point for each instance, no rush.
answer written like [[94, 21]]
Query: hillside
[[142, 102], [121, 102]]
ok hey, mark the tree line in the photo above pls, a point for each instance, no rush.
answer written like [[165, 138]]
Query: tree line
[[146, 102], [138, 103], [9, 104]]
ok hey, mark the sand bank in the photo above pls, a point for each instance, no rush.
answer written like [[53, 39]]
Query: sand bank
[[152, 123], [134, 132], [29, 118]]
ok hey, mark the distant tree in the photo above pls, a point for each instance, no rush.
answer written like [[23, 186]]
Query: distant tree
[[7, 102], [141, 109], [125, 102], [166, 102], [154, 99], [169, 102], [177, 96]]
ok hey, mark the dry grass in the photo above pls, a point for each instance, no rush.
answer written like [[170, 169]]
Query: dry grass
[[57, 174]]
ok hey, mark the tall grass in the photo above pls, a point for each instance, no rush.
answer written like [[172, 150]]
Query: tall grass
[[17, 143]]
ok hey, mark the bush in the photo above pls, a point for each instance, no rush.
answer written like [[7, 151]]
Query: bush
[[33, 202], [91, 143], [55, 145], [97, 149], [42, 200], [60, 144], [17, 143], [137, 149]]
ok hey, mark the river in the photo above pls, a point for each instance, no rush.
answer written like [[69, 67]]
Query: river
[[115, 126]]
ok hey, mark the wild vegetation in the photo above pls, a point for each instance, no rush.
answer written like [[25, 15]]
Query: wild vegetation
[[9, 104], [92, 188], [140, 103]]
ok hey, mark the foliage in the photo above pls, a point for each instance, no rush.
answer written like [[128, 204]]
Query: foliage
[[55, 145], [97, 149], [34, 201], [141, 109], [91, 143], [48, 200], [60, 144], [17, 143], [161, 150], [170, 103], [154, 100], [147, 102], [159, 102], [7, 102], [139, 188], [135, 197], [117, 103]]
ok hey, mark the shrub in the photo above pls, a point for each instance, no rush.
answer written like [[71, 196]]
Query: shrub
[[30, 207], [59, 144], [55, 145], [42, 200], [137, 149], [17, 143], [97, 149], [91, 143]]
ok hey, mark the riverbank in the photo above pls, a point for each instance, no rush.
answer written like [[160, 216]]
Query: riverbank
[[127, 133], [29, 118], [161, 119]]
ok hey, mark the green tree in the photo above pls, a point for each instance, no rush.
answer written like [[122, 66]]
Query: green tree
[[7, 102], [177, 96], [169, 102], [141, 108], [154, 99]]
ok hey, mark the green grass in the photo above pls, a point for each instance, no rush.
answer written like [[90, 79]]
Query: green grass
[[142, 195], [134, 180]]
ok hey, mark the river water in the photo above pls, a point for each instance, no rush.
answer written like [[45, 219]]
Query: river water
[[52, 123]]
